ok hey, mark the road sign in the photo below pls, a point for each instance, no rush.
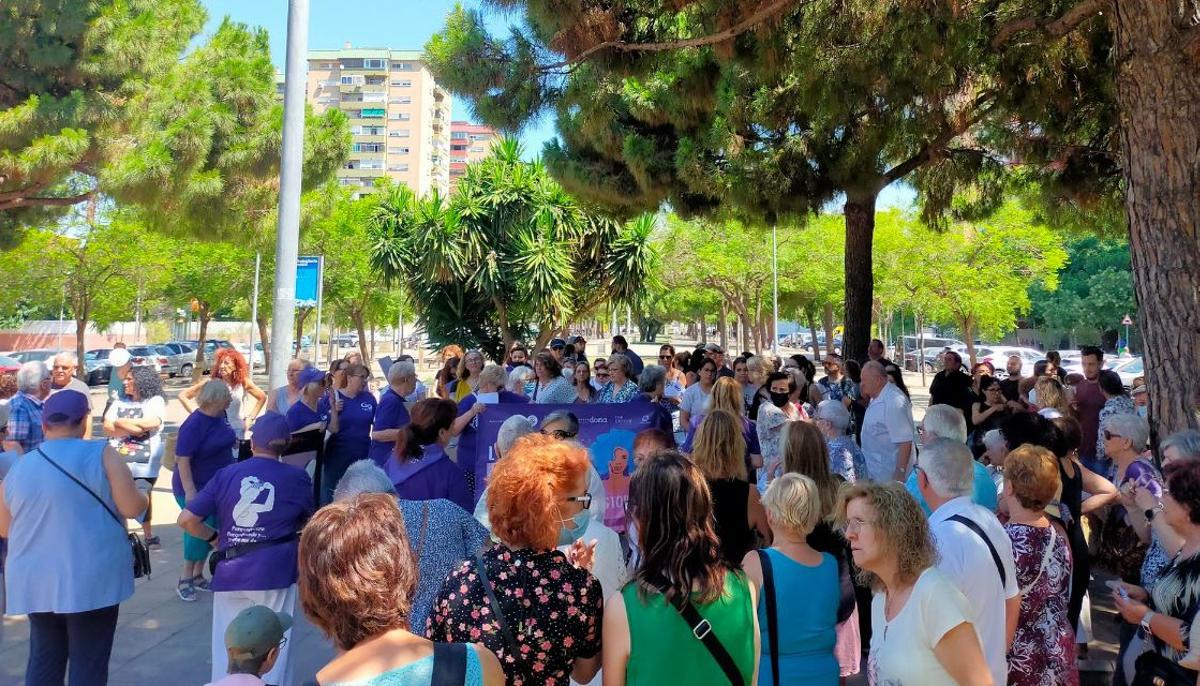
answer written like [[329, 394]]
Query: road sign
[[1127, 321], [308, 279]]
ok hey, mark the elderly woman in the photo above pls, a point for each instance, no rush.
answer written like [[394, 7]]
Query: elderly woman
[[134, 427], [811, 586], [357, 579], [281, 399], [261, 503], [846, 459], [391, 413], [69, 565], [1126, 533], [720, 452], [1181, 445], [675, 380], [466, 379], [921, 628], [697, 396], [1166, 612], [229, 366], [1116, 402], [442, 533], [1043, 647], [550, 386], [547, 607], [203, 447], [653, 382], [620, 388], [315, 410], [647, 641], [354, 404], [520, 380], [492, 381]]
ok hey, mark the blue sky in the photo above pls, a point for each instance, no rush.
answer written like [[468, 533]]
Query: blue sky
[[399, 25]]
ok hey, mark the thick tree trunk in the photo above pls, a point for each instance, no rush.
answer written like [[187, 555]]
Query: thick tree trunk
[[205, 315], [827, 317], [723, 325], [812, 330], [1158, 80], [859, 212], [81, 345]]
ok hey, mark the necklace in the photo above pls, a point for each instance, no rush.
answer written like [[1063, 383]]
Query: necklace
[[890, 600]]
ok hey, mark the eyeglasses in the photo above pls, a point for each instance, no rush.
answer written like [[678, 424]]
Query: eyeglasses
[[666, 357], [856, 524], [585, 500], [560, 434], [1108, 435]]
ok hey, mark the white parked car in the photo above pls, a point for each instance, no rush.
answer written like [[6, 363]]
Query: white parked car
[[258, 359], [998, 356], [1128, 368]]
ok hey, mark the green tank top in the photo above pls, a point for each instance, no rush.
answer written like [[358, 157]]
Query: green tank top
[[663, 650]]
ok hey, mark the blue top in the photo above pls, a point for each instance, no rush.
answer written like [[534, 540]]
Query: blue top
[[208, 443], [390, 413], [806, 601], [300, 415], [420, 673], [256, 500], [65, 552], [451, 535], [430, 477], [983, 493], [354, 421], [25, 421], [846, 459]]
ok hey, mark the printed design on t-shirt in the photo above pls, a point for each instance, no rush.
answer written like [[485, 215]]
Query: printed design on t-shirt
[[131, 448], [247, 509]]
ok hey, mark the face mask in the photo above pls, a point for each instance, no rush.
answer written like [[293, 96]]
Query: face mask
[[1143, 410], [779, 399], [569, 534]]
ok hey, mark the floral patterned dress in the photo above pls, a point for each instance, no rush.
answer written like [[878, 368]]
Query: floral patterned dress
[[1043, 649], [553, 609]]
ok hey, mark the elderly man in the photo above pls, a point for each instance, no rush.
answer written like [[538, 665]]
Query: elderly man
[[716, 353], [887, 433], [973, 549], [62, 377], [25, 409], [945, 422], [391, 415]]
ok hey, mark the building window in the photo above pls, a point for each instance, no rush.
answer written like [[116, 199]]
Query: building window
[[367, 147], [398, 167], [328, 65], [402, 83], [372, 164], [399, 133], [401, 100], [458, 148], [402, 66], [372, 97], [476, 148], [399, 116], [398, 150], [458, 136], [352, 80], [372, 113], [374, 64]]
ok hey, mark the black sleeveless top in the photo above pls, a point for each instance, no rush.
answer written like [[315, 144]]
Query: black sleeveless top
[[1072, 491], [731, 507]]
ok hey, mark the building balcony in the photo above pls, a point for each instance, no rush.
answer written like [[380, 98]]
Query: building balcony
[[360, 173]]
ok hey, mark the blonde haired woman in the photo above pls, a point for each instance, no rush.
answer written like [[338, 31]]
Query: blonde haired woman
[[921, 633], [718, 452], [727, 396], [1050, 397], [794, 577]]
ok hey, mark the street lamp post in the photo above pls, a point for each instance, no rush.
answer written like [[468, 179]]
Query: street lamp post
[[287, 233]]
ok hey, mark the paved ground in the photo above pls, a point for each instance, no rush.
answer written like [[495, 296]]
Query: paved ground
[[162, 640]]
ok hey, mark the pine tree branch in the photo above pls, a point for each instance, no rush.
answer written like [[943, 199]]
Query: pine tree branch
[[24, 201], [962, 120], [763, 14], [1053, 28]]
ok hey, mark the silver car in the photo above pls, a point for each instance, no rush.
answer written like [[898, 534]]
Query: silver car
[[181, 358]]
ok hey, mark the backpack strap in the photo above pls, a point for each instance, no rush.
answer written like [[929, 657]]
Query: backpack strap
[[970, 524], [703, 631], [449, 664], [768, 574]]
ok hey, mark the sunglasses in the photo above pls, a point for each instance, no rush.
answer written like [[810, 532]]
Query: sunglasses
[[666, 357], [1108, 435]]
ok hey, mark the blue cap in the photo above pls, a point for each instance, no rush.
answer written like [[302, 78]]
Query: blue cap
[[558, 344], [65, 407], [269, 428], [311, 375]]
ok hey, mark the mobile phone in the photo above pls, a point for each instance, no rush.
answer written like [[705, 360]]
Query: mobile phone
[[1116, 586]]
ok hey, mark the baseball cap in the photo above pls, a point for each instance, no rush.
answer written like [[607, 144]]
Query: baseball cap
[[269, 428], [119, 357], [310, 375], [714, 348], [255, 631], [558, 344], [65, 407]]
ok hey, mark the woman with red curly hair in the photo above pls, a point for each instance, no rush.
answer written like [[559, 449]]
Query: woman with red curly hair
[[229, 366], [548, 608]]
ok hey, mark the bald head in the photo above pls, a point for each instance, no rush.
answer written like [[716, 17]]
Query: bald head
[[874, 379]]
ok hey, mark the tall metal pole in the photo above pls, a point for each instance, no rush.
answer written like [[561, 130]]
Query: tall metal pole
[[254, 310], [287, 233], [775, 290], [320, 297]]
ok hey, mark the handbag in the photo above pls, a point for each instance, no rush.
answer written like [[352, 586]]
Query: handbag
[[141, 554], [1152, 669], [1120, 552]]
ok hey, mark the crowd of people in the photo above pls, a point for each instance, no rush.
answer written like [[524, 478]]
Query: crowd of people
[[781, 528]]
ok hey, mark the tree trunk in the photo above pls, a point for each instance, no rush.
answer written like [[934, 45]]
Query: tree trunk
[[264, 339], [361, 329], [723, 325], [703, 330], [1158, 79], [859, 212], [505, 332], [827, 316], [968, 328], [301, 315], [81, 323], [812, 330], [205, 315]]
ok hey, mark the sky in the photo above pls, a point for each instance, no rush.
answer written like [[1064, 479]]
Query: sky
[[400, 25]]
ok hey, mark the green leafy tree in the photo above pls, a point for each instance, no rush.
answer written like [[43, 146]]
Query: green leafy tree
[[1094, 294], [511, 256]]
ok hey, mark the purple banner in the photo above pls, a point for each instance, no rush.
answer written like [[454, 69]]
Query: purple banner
[[606, 430]]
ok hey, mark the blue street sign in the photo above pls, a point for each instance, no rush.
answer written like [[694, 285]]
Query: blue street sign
[[308, 279]]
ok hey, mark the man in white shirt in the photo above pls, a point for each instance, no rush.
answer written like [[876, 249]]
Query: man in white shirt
[[62, 377], [887, 433], [973, 549]]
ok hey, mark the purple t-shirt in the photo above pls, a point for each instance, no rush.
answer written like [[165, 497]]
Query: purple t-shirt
[[208, 442], [431, 477], [259, 499], [1143, 475], [389, 414], [354, 423], [299, 415]]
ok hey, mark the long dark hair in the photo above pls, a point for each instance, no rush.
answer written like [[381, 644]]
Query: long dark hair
[[897, 378], [426, 418], [671, 504]]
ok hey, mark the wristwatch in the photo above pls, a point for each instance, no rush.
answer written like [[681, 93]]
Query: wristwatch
[[1158, 507], [1146, 622]]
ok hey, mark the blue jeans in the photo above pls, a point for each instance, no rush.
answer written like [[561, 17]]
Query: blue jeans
[[82, 639]]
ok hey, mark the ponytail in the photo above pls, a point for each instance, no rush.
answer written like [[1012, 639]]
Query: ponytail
[[407, 445]]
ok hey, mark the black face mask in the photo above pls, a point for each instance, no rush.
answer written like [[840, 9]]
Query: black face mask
[[779, 399]]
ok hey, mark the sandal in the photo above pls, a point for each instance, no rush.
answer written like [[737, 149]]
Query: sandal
[[201, 584], [185, 591], [153, 542]]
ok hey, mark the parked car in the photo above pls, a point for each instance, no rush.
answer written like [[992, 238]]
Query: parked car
[[346, 340], [181, 358], [998, 356], [9, 365], [211, 346], [938, 342], [257, 359], [40, 355], [148, 356], [1128, 368], [96, 368]]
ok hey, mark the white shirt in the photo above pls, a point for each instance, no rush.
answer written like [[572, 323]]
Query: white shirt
[[695, 401], [966, 560], [888, 423], [902, 649]]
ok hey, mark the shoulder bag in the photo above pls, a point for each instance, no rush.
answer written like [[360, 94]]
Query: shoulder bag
[[509, 641], [768, 574], [970, 524], [141, 554], [702, 630]]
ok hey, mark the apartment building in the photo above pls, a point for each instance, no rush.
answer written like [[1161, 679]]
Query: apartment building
[[399, 116], [468, 143]]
